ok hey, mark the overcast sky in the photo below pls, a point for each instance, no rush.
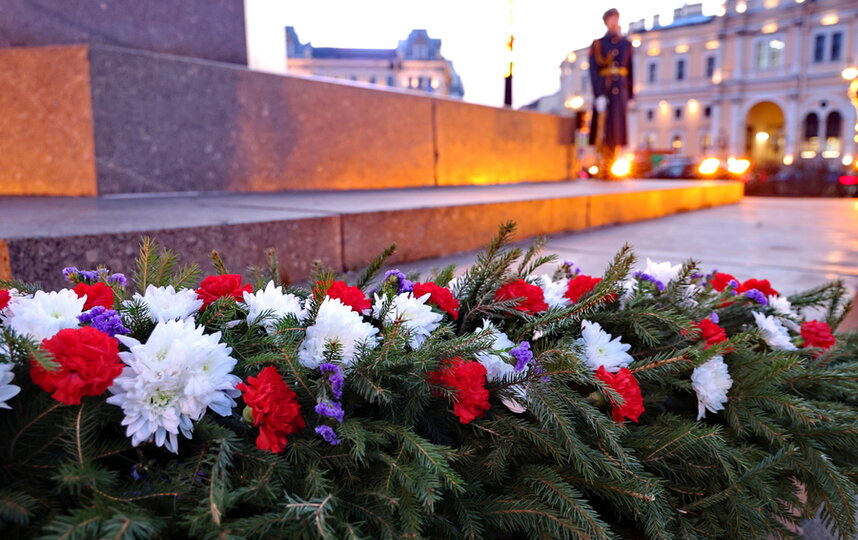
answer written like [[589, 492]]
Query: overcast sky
[[474, 34]]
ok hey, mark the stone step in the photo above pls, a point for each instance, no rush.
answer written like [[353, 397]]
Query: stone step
[[345, 230]]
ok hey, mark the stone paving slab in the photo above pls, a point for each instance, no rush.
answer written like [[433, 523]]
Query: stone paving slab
[[344, 229]]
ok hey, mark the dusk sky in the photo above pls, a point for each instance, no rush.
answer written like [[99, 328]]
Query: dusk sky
[[474, 34]]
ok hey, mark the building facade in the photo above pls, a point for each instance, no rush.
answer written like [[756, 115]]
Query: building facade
[[762, 80], [416, 64]]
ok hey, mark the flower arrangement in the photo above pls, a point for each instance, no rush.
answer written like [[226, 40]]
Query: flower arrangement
[[649, 402]]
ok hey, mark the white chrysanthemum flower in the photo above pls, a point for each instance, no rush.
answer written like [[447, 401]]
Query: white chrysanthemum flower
[[781, 305], [496, 361], [599, 348], [774, 333], [554, 291], [273, 300], [45, 314], [664, 271], [711, 380], [168, 304], [413, 313], [170, 381], [335, 323], [7, 389]]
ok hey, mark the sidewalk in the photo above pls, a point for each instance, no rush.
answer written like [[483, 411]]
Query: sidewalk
[[794, 243]]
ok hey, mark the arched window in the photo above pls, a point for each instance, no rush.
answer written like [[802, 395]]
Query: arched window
[[811, 126], [833, 129], [833, 125]]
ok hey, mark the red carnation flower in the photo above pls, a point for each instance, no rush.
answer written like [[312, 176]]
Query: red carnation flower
[[223, 286], [440, 296], [721, 280], [5, 296], [817, 334], [350, 296], [580, 285], [88, 362], [532, 297], [468, 379], [711, 332], [625, 384], [275, 409], [98, 294], [761, 285]]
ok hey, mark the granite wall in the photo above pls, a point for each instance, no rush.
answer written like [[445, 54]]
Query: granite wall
[[210, 29], [162, 123]]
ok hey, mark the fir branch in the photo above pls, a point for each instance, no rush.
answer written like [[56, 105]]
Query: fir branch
[[373, 268]]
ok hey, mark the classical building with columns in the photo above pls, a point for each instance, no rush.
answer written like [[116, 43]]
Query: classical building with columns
[[416, 64], [762, 80]]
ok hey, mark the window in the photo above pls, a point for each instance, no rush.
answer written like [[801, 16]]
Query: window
[[372, 80], [680, 69], [707, 111], [819, 48], [650, 114], [705, 142], [768, 53], [391, 81], [652, 72], [585, 81], [676, 142], [677, 113], [833, 125], [710, 67], [836, 46], [811, 126]]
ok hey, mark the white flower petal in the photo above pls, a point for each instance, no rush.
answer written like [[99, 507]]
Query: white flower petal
[[598, 348]]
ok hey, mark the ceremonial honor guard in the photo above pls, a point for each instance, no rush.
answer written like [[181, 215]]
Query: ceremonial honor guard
[[611, 77]]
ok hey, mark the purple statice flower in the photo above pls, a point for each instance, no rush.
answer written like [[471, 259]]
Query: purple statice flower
[[522, 355], [697, 276], [570, 269], [331, 409], [646, 277], [714, 317], [539, 370], [89, 275], [69, 273], [405, 285], [328, 433], [711, 275], [119, 279], [106, 320], [335, 378], [733, 284], [757, 297]]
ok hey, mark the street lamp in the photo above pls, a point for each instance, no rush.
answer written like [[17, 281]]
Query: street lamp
[[507, 88]]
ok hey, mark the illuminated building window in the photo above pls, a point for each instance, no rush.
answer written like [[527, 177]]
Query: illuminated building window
[[768, 53], [676, 143], [833, 131]]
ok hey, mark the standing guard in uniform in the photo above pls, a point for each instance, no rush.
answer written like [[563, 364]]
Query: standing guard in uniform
[[613, 88]]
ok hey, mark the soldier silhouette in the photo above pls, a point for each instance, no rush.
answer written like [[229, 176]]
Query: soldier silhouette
[[612, 80]]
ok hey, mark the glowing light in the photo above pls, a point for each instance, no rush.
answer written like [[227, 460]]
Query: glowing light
[[737, 166], [808, 154], [850, 73], [761, 136], [741, 7], [829, 19], [831, 154], [847, 160], [676, 144], [693, 106], [436, 83], [769, 4], [621, 167], [681, 48], [799, 1], [770, 28], [709, 166], [571, 57], [713, 44], [585, 66], [593, 169], [636, 42], [788, 159], [574, 103], [849, 180], [777, 44], [653, 51], [716, 77], [663, 105]]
